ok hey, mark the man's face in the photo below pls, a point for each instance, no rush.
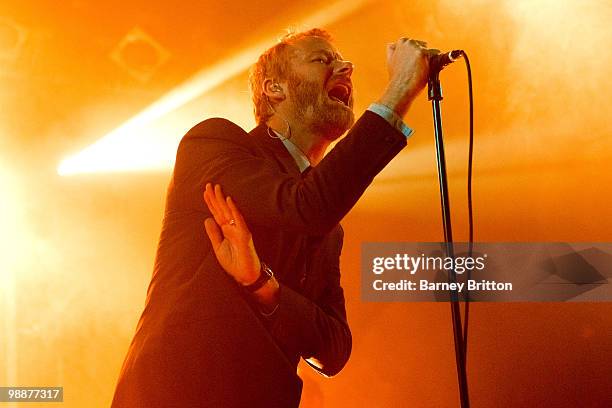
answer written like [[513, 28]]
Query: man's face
[[319, 87]]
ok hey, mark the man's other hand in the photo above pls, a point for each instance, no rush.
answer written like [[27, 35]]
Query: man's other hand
[[408, 66]]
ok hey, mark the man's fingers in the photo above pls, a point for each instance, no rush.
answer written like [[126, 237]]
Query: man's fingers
[[221, 204], [236, 214], [209, 198], [420, 43], [401, 44], [414, 41], [214, 232], [215, 201]]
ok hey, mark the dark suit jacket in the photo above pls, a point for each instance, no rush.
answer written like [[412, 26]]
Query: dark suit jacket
[[200, 342]]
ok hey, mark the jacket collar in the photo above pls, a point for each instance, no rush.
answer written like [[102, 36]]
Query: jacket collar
[[276, 147]]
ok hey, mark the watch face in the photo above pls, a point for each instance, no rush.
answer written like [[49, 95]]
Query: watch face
[[268, 271]]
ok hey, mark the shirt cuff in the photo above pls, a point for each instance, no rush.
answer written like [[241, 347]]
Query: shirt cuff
[[394, 120]]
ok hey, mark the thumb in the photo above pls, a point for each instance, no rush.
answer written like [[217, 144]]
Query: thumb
[[213, 231]]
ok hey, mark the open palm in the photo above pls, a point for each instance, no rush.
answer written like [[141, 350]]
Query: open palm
[[231, 239]]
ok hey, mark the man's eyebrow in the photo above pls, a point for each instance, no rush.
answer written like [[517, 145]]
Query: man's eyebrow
[[329, 54]]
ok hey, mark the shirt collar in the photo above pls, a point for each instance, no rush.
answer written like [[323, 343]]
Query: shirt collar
[[300, 159]]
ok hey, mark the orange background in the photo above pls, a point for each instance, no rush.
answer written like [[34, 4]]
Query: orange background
[[77, 251]]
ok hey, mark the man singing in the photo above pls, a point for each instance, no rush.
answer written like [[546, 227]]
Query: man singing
[[230, 311]]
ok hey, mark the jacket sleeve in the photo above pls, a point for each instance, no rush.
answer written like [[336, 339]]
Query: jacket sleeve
[[215, 151], [315, 329]]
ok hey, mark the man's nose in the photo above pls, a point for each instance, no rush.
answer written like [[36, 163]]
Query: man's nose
[[344, 68]]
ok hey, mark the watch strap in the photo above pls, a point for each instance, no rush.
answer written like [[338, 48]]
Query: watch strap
[[264, 276]]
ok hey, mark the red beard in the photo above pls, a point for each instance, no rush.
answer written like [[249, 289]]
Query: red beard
[[324, 115]]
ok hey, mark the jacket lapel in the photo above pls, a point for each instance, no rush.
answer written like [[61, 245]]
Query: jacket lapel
[[275, 149]]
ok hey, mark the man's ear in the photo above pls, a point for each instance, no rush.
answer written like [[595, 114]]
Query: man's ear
[[274, 91]]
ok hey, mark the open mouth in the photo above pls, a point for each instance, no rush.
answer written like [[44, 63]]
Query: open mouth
[[340, 92]]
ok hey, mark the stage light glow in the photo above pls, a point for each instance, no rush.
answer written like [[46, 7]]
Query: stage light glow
[[13, 248], [27, 260], [137, 145]]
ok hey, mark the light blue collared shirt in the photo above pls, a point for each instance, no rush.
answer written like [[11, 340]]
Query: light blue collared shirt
[[300, 159], [390, 116]]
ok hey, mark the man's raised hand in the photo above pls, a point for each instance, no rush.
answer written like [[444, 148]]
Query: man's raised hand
[[231, 239], [408, 66]]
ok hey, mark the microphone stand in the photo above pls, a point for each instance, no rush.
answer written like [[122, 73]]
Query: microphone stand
[[434, 93]]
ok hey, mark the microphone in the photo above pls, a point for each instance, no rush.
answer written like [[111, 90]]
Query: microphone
[[439, 61]]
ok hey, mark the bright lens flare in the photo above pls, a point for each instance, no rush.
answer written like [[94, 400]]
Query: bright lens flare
[[139, 145]]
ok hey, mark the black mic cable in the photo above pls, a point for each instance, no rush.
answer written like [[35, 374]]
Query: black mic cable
[[469, 198], [437, 63]]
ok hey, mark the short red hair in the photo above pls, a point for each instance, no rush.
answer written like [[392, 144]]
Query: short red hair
[[273, 63]]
